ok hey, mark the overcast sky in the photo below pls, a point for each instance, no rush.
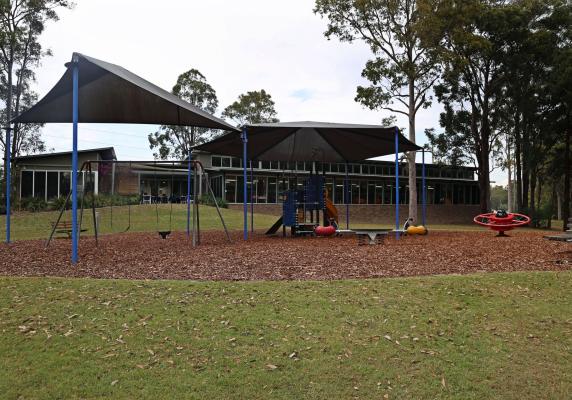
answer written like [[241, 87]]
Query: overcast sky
[[238, 45]]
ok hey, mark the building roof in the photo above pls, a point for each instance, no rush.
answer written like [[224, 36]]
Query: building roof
[[106, 153]]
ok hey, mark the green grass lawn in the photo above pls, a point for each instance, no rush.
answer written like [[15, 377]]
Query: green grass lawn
[[28, 225], [456, 337]]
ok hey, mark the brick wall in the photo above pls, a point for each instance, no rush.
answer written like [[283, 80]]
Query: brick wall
[[385, 214]]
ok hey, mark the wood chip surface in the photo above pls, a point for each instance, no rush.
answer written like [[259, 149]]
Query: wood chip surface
[[147, 256]]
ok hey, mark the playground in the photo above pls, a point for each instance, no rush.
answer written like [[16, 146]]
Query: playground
[[193, 300]]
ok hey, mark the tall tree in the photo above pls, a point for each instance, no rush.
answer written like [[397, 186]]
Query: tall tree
[[470, 39], [254, 107], [21, 24], [402, 71], [177, 141]]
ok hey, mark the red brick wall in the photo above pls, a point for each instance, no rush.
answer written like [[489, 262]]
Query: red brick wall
[[385, 214]]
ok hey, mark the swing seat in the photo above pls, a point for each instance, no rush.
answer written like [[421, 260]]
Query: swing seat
[[164, 234]]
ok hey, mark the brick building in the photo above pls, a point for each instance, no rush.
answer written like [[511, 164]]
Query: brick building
[[452, 192]]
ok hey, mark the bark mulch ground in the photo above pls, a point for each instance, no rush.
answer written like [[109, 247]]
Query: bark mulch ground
[[146, 256]]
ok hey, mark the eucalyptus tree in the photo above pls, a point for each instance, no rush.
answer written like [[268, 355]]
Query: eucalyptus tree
[[21, 24], [402, 70], [172, 141], [252, 108]]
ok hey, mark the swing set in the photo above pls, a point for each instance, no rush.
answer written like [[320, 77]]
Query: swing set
[[190, 198]]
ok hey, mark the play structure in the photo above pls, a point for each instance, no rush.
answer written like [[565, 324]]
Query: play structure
[[500, 221], [107, 172], [95, 91], [301, 210], [319, 143]]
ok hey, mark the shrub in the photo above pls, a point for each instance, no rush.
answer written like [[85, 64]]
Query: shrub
[[33, 204], [208, 200], [57, 203]]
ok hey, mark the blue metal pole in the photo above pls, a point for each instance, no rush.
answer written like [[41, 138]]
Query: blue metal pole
[[75, 118], [397, 182], [347, 197], [189, 194], [8, 182], [251, 198], [244, 138], [423, 190]]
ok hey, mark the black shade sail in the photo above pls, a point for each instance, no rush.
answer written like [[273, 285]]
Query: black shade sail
[[310, 141], [109, 93]]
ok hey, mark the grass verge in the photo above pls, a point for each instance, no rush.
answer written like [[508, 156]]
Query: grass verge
[[456, 337]]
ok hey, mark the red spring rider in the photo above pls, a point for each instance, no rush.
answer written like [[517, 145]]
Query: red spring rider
[[501, 221]]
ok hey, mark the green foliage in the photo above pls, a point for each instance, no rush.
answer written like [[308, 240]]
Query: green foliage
[[33, 204], [21, 25], [209, 200], [499, 198], [254, 107], [176, 141]]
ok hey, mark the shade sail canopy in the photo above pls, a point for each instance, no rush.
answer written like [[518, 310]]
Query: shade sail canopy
[[109, 93], [310, 141]]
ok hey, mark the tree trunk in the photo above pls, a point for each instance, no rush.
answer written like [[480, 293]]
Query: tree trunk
[[509, 204], [484, 178], [552, 207], [517, 153], [532, 211], [525, 168], [566, 208], [558, 205], [411, 155], [7, 125], [538, 192]]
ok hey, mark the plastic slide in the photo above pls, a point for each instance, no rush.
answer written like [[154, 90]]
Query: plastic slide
[[331, 210]]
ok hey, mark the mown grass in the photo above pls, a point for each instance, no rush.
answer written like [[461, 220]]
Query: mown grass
[[457, 337], [144, 218]]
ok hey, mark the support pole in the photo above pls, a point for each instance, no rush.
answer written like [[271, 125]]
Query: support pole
[[189, 196], [423, 190], [397, 182], [8, 180], [251, 198], [244, 138], [195, 209], [347, 197], [75, 118]]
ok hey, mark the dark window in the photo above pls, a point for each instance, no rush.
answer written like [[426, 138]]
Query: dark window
[[226, 162], [371, 192], [274, 165], [330, 188], [265, 164], [387, 193], [216, 161], [64, 183], [40, 184], [27, 183], [236, 162], [354, 192], [260, 190], [339, 190], [52, 185], [271, 190]]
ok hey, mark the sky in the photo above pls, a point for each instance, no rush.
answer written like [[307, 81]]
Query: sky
[[239, 45]]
